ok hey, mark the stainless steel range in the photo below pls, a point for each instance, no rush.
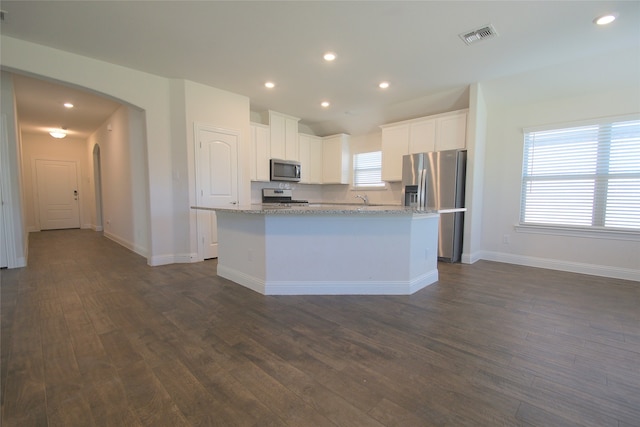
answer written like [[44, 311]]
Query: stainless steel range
[[279, 197]]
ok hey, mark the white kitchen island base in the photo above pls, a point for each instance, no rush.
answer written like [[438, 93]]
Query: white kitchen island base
[[313, 252]]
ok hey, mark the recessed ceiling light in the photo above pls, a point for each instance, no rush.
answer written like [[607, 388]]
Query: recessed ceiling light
[[58, 133], [68, 105], [604, 20], [270, 85], [325, 104], [329, 56], [383, 85]]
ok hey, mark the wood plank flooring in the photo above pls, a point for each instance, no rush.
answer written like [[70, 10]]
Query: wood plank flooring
[[91, 335]]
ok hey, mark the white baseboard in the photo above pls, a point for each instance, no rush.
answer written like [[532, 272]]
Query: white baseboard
[[573, 267], [307, 287], [127, 244], [157, 260], [471, 258]]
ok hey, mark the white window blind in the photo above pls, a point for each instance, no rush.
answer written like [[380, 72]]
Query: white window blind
[[367, 169], [586, 176]]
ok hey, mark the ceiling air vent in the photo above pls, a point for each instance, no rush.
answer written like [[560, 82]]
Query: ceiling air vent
[[486, 32]]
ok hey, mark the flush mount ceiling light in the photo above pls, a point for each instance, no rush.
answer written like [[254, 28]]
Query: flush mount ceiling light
[[58, 133], [325, 104], [383, 85], [269, 85], [329, 56], [68, 105], [605, 19]]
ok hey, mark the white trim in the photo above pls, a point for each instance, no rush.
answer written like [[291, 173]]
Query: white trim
[[13, 260], [580, 123], [471, 258], [197, 127], [35, 188], [297, 287], [127, 244], [585, 232], [155, 261], [570, 266]]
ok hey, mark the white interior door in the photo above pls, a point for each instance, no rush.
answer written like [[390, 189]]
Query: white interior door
[[216, 182], [57, 183]]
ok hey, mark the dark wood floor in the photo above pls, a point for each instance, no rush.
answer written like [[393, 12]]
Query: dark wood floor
[[91, 335]]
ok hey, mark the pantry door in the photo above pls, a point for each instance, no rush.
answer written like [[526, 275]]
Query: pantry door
[[216, 181], [57, 194]]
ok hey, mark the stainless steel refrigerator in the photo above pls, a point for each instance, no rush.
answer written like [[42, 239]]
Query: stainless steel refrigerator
[[436, 181]]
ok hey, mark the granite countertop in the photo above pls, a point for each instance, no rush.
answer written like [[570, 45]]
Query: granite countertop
[[327, 208]]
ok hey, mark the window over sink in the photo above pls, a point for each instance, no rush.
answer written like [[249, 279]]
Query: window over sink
[[367, 170]]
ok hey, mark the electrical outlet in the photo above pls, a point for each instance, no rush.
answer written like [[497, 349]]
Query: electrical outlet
[[505, 239], [250, 255]]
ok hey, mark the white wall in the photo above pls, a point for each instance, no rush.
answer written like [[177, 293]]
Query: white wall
[[197, 103], [12, 231], [475, 185], [124, 187], [148, 92], [606, 256], [44, 147]]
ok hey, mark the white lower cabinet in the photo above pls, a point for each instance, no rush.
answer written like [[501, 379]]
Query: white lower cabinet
[[441, 132], [260, 152]]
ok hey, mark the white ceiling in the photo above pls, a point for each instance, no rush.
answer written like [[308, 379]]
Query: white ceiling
[[238, 45]]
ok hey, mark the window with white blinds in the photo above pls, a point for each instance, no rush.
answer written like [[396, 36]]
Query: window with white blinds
[[586, 176], [367, 169]]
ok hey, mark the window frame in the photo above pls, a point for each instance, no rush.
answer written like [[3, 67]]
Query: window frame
[[594, 231], [376, 187]]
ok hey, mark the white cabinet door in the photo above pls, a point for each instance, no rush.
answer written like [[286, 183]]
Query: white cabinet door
[[316, 160], [395, 144], [310, 159], [291, 139], [260, 152], [277, 130], [284, 136], [304, 142], [422, 136], [335, 159], [451, 132]]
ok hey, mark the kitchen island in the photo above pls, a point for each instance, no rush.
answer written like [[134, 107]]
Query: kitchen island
[[328, 249]]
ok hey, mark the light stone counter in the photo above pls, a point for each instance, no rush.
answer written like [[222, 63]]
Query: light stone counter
[[321, 208]]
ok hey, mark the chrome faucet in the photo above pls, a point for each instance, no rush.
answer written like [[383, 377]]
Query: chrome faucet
[[364, 198]]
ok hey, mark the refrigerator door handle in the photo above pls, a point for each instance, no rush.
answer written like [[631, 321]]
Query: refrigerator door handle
[[419, 201], [423, 184]]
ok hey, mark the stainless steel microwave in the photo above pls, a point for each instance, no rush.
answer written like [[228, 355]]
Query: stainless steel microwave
[[285, 170]]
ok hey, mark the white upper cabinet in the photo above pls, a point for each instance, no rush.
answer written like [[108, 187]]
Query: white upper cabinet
[[284, 136], [422, 137], [395, 144], [441, 132], [260, 152], [335, 159], [451, 132], [310, 159]]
